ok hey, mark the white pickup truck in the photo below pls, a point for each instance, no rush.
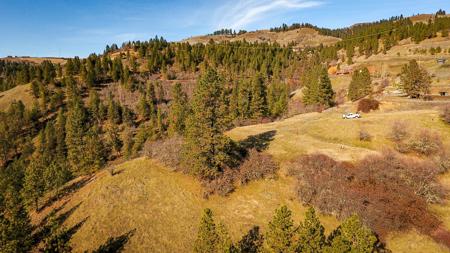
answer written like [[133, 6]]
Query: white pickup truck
[[351, 115]]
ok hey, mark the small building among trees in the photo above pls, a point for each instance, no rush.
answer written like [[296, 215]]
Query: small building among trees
[[440, 91]]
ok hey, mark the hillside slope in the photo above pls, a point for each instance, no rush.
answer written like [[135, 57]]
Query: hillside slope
[[302, 37], [158, 210], [163, 208], [20, 92]]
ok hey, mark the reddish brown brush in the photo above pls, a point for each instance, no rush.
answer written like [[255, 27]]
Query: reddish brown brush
[[390, 192], [366, 105], [257, 165]]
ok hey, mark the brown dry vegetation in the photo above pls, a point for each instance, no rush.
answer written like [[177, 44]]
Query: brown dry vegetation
[[254, 166], [388, 191], [366, 105]]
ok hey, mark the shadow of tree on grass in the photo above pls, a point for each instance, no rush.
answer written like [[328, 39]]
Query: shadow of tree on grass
[[115, 244], [66, 191], [259, 142]]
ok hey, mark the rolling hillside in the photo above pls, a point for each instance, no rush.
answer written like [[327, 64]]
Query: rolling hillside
[[303, 37], [80, 166], [157, 210]]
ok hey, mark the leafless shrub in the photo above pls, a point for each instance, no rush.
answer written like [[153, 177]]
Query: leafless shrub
[[417, 174], [367, 104], [296, 107], [446, 114], [389, 191], [167, 151], [222, 185], [257, 166], [399, 131], [426, 143], [442, 160], [402, 147], [364, 135]]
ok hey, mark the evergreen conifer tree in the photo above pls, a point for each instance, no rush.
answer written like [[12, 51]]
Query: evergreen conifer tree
[[360, 86], [127, 140], [114, 141], [352, 236], [280, 233], [311, 234], [258, 104], [224, 243], [15, 224], [60, 133], [177, 111], [94, 151], [143, 108], [326, 93], [415, 80], [207, 148], [75, 131], [207, 237], [34, 184]]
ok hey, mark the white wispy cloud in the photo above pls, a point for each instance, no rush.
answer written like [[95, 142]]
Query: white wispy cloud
[[238, 14]]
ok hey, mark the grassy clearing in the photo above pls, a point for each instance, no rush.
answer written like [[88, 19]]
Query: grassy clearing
[[20, 92], [414, 242], [165, 207], [328, 133]]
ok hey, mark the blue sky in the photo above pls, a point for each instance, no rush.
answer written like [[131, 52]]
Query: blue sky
[[79, 27]]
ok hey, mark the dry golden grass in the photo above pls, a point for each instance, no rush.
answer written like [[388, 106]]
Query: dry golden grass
[[303, 36], [414, 242], [36, 60], [20, 92], [328, 133], [165, 207]]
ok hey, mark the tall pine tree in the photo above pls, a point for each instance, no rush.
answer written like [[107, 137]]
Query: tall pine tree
[[207, 237], [360, 86], [207, 149], [280, 233], [178, 111]]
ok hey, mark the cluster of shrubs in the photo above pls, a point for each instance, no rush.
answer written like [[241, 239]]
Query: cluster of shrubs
[[389, 191], [425, 142], [167, 151], [256, 165], [367, 104]]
